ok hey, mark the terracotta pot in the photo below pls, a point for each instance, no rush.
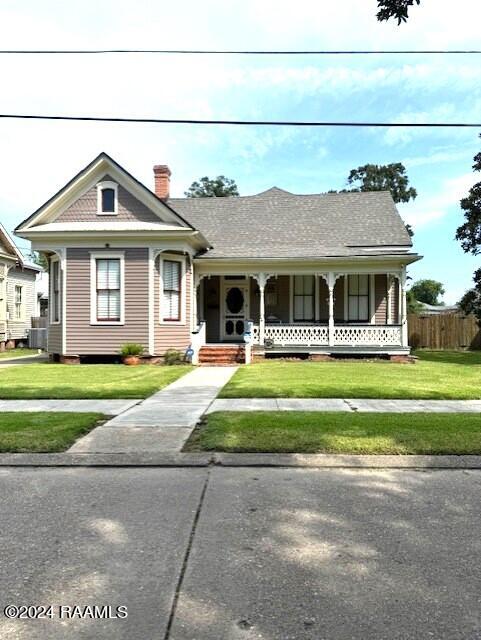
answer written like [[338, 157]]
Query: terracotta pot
[[132, 361]]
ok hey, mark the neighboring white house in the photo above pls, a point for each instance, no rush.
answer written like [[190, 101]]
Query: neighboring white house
[[18, 298]]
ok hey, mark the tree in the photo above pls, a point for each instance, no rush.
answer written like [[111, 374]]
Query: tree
[[388, 177], [219, 187], [469, 234], [40, 259], [471, 301], [413, 306], [427, 291], [397, 9]]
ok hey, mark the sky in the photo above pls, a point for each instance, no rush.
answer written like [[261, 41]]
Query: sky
[[37, 158]]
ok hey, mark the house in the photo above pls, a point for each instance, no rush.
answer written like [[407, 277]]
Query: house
[[437, 309], [17, 292], [306, 274]]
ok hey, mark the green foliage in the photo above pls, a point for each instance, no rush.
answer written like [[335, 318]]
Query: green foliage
[[471, 301], [219, 187], [469, 233], [174, 356], [131, 349], [389, 177], [413, 306], [427, 291], [40, 259], [397, 9]]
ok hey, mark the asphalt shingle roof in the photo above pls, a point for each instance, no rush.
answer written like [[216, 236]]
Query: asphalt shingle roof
[[276, 223]]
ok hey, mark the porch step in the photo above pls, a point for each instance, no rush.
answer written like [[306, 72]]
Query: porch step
[[222, 355]]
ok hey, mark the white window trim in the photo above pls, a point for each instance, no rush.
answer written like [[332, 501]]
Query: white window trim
[[183, 289], [107, 184], [54, 259], [22, 303], [94, 256]]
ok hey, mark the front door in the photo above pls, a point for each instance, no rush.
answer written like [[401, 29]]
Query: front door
[[234, 309]]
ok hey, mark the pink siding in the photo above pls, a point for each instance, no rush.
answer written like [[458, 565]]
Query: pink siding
[[86, 339], [380, 298], [85, 208], [171, 336]]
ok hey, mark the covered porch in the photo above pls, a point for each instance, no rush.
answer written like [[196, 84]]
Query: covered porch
[[351, 310]]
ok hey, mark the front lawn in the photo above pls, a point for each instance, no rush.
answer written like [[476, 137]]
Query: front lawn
[[17, 353], [37, 432], [47, 380], [337, 432], [437, 375]]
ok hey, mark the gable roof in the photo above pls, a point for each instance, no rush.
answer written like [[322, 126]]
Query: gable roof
[[86, 178], [14, 252], [279, 224]]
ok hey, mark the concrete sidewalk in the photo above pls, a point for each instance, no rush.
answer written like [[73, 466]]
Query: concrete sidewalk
[[107, 407], [163, 422], [350, 405]]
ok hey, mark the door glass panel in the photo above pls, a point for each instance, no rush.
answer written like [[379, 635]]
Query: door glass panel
[[234, 300], [239, 327], [229, 327]]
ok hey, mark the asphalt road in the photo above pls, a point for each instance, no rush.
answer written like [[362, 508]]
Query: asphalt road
[[242, 554]]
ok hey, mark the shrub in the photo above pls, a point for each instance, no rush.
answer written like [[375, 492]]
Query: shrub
[[174, 356], [131, 349]]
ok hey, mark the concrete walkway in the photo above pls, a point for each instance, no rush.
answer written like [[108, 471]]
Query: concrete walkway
[[18, 360], [338, 404], [163, 422], [107, 407]]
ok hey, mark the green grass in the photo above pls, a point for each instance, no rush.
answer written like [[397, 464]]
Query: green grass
[[336, 432], [437, 375], [17, 353], [37, 432], [46, 380]]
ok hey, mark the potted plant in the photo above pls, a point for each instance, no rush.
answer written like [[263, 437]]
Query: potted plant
[[131, 352]]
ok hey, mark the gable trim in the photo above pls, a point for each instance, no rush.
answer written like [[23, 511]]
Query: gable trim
[[102, 165]]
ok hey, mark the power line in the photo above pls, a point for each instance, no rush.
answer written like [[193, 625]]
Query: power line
[[215, 52], [261, 123]]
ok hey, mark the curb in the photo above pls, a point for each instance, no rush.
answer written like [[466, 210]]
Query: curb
[[268, 460]]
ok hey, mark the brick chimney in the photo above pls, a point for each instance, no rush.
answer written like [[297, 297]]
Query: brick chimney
[[162, 181]]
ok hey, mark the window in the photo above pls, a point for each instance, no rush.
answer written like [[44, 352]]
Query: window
[[18, 302], [303, 298], [172, 273], [358, 298], [108, 303], [55, 290], [107, 198]]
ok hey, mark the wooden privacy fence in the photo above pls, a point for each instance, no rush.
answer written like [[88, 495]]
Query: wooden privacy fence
[[445, 331]]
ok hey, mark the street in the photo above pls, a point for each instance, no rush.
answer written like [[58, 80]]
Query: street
[[243, 553]]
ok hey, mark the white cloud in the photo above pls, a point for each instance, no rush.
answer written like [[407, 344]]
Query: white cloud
[[425, 210]]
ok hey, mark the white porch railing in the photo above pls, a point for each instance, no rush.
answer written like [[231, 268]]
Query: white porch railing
[[286, 335], [367, 336]]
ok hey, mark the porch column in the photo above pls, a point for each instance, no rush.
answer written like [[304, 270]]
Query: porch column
[[316, 298], [403, 301], [261, 281], [389, 281], [331, 281]]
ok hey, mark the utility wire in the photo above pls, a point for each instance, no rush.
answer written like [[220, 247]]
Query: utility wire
[[262, 123], [212, 52]]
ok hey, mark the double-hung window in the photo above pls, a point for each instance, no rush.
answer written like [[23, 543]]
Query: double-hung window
[[108, 289], [18, 302], [358, 298], [172, 279], [303, 298], [55, 291]]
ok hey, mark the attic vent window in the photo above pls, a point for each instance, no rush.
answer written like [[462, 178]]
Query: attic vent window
[[107, 198]]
